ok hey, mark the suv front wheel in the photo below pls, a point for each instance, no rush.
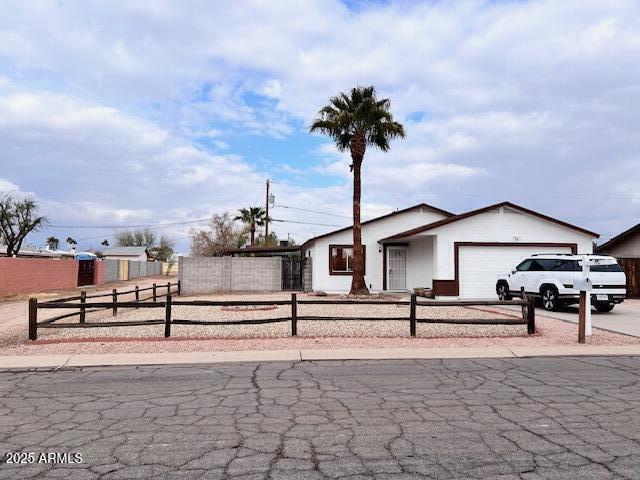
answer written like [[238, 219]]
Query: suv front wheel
[[604, 307], [549, 298]]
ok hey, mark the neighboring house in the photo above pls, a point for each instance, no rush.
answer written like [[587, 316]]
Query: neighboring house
[[38, 252], [626, 248], [140, 254], [455, 255]]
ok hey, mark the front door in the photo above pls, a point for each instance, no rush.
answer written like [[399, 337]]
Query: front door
[[397, 268]]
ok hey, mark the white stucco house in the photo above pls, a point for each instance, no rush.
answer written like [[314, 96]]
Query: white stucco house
[[454, 255]]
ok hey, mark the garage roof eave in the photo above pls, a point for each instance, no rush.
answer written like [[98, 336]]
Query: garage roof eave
[[462, 216]]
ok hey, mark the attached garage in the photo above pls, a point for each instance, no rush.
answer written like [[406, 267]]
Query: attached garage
[[468, 251], [479, 265]]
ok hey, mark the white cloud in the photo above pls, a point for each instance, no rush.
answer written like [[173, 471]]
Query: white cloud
[[7, 186], [501, 100]]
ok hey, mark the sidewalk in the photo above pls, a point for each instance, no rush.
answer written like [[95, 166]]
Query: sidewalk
[[59, 361]]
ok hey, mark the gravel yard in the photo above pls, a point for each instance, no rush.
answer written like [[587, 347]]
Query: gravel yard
[[311, 334], [350, 328]]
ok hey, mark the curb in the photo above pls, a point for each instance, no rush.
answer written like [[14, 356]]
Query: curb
[[136, 359]]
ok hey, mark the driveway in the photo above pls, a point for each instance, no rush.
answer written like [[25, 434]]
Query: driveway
[[527, 418], [624, 318]]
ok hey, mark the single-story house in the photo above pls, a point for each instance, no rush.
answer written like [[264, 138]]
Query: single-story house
[[626, 248], [140, 254], [456, 255], [29, 251]]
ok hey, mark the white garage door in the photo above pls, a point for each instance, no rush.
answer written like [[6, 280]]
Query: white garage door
[[479, 266]]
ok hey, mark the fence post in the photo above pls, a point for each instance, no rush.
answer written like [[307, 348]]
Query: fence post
[[114, 294], [137, 294], [83, 300], [168, 288], [33, 319], [412, 315], [523, 296], [167, 317], [154, 293], [582, 317], [178, 287], [294, 315], [531, 315]]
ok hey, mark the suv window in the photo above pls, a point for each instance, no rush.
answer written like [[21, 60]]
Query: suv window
[[606, 268], [537, 265], [524, 266], [559, 265], [569, 266]]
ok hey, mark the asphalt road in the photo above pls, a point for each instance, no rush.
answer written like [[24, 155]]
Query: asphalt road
[[528, 418]]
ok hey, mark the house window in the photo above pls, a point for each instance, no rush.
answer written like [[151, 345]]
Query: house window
[[341, 259]]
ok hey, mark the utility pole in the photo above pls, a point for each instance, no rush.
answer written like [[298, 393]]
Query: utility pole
[[266, 224]]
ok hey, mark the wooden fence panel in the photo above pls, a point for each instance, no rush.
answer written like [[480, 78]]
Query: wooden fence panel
[[631, 267]]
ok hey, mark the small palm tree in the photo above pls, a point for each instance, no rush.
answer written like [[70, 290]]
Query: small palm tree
[[355, 121], [252, 216], [53, 243], [105, 243], [71, 242]]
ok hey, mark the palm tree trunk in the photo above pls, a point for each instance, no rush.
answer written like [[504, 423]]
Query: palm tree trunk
[[253, 234], [358, 285]]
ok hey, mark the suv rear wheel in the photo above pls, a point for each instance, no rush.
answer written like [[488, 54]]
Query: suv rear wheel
[[502, 289], [549, 298]]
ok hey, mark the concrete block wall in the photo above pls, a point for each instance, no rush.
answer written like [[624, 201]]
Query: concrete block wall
[[224, 274], [307, 274], [256, 273], [111, 269], [134, 269]]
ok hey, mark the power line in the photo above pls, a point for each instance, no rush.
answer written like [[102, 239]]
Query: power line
[[149, 225], [306, 223], [314, 211]]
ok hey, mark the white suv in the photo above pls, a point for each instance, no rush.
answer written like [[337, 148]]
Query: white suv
[[551, 277]]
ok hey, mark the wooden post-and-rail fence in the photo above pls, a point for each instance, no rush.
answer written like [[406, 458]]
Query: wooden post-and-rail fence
[[84, 307], [527, 304]]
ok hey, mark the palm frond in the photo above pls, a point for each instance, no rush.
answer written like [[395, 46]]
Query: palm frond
[[358, 111]]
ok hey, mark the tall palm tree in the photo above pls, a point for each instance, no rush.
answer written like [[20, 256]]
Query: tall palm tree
[[252, 216], [354, 121]]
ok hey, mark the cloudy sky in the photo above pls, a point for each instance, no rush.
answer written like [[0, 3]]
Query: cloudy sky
[[163, 112]]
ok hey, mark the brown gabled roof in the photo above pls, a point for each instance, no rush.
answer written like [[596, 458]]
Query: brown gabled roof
[[462, 216], [397, 212], [619, 238]]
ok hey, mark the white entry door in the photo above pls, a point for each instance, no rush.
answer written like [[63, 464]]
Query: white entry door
[[397, 268]]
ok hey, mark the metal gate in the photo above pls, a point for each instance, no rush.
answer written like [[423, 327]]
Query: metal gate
[[291, 273], [85, 272]]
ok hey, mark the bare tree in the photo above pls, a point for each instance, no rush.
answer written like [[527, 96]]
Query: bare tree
[[222, 234], [159, 247], [17, 219], [135, 238]]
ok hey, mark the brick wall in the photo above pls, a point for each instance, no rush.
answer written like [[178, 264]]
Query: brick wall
[[98, 273], [211, 274], [25, 275]]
